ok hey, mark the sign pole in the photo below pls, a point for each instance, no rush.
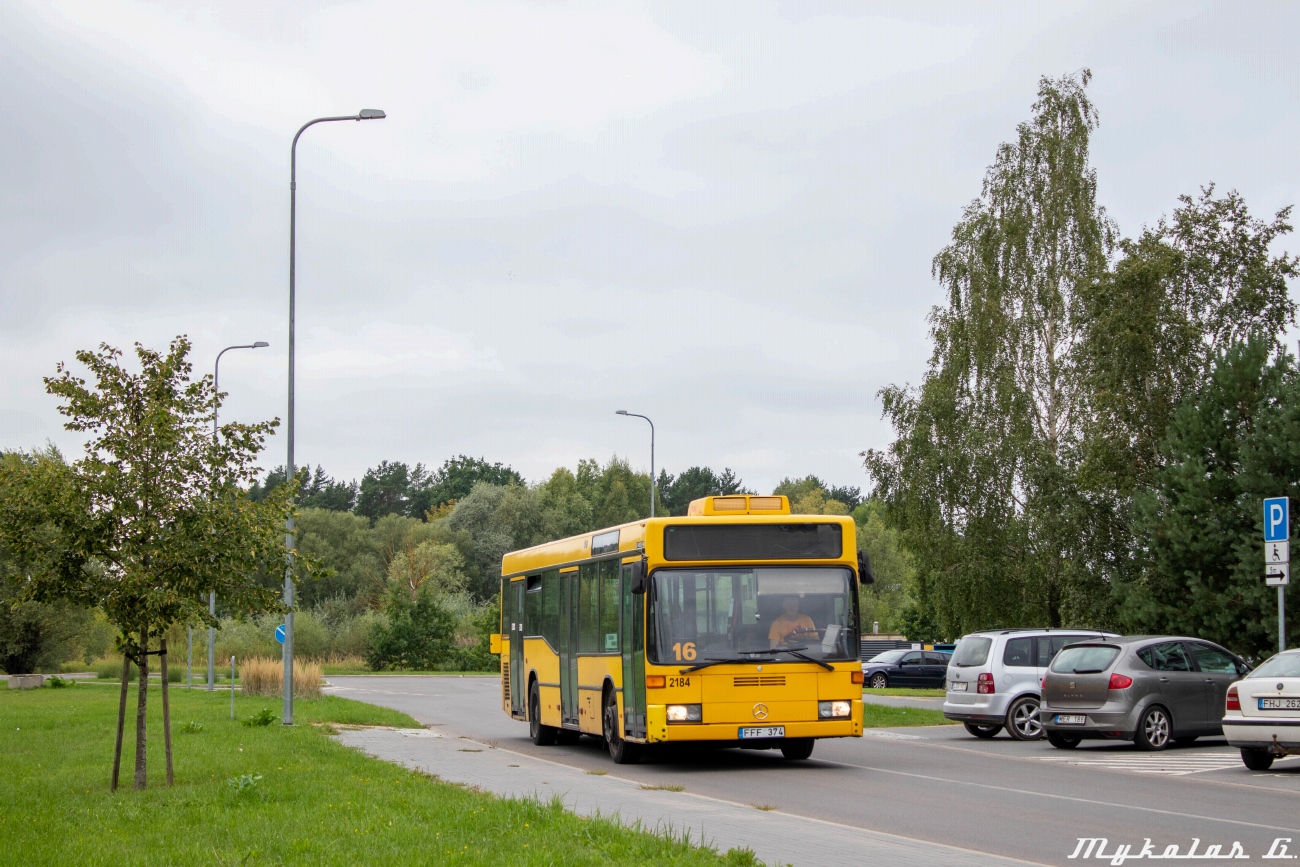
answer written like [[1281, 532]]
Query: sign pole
[[1277, 556]]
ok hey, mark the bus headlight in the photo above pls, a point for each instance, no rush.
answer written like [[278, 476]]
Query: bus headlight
[[680, 713], [834, 709]]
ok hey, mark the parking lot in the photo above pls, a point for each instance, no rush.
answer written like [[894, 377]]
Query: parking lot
[[936, 784]]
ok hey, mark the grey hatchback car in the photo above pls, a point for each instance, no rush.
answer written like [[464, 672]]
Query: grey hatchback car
[[1151, 689]]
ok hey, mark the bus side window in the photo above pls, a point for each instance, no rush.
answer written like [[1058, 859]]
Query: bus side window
[[588, 608]]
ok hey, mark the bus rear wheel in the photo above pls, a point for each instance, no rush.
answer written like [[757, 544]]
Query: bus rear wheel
[[542, 735], [797, 749], [621, 751]]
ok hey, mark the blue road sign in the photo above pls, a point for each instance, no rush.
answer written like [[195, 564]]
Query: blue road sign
[[1277, 523], [279, 633]]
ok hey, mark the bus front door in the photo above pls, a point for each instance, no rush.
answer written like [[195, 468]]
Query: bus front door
[[633, 644], [518, 701], [569, 647]]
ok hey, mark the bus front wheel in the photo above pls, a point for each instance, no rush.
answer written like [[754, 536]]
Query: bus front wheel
[[542, 735], [622, 752], [797, 749]]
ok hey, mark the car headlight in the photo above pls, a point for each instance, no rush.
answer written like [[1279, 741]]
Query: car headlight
[[834, 709], [681, 713]]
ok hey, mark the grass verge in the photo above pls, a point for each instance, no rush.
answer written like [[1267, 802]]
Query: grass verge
[[906, 692], [267, 794], [879, 716]]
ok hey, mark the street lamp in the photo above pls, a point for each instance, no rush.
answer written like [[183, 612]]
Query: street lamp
[[212, 596], [364, 114], [652, 454]]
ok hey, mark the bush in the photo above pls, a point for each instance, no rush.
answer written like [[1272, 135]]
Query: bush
[[110, 668], [264, 676], [417, 635]]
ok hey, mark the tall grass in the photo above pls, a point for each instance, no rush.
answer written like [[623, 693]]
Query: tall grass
[[264, 676]]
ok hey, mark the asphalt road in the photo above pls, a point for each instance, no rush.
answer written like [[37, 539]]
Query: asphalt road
[[1003, 797]]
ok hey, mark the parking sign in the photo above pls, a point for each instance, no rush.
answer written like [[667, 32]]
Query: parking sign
[[1277, 519]]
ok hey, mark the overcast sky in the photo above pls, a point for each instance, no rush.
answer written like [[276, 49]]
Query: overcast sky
[[719, 215]]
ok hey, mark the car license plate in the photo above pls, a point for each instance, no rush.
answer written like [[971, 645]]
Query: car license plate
[[1067, 719], [763, 732], [1279, 704], [957, 686]]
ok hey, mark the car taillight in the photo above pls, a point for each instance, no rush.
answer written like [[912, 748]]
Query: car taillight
[[1042, 683], [984, 684], [1234, 701], [1120, 681]]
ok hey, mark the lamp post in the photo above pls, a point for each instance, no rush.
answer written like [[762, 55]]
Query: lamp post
[[212, 596], [652, 454], [364, 114]]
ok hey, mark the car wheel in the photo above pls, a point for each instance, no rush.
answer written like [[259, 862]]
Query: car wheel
[[1022, 720], [1154, 730], [622, 752], [1256, 760], [879, 681], [982, 731], [797, 749], [542, 735], [1063, 742]]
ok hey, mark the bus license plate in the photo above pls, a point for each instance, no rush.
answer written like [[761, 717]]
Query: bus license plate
[[763, 732], [1064, 719], [957, 686], [1279, 704]]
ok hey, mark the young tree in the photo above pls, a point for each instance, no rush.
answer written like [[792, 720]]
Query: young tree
[[152, 518]]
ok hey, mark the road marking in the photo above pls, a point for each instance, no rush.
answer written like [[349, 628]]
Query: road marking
[[891, 736], [1111, 804], [1168, 764]]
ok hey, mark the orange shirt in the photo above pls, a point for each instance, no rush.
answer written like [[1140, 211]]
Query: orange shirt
[[785, 624]]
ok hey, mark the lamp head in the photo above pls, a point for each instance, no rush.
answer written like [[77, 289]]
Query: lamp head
[[370, 114], [261, 344], [620, 412]]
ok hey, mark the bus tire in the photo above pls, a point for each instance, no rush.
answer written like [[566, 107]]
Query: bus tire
[[797, 749], [621, 751], [542, 735]]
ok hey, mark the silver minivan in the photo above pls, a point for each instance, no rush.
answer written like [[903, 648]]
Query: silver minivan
[[993, 678]]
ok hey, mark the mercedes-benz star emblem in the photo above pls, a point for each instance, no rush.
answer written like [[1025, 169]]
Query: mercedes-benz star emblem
[[760, 711]]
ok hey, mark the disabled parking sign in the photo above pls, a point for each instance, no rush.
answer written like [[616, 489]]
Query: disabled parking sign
[[1277, 519]]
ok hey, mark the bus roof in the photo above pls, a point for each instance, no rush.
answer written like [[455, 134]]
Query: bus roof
[[630, 539]]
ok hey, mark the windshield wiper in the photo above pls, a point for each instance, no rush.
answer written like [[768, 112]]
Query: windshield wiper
[[717, 660], [1089, 670], [794, 651]]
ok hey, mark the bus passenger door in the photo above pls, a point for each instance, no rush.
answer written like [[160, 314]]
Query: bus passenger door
[[518, 701], [569, 647], [633, 644]]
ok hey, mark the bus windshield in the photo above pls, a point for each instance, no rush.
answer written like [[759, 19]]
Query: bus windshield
[[775, 613]]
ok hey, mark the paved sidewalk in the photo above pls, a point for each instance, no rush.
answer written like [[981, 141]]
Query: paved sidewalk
[[776, 837]]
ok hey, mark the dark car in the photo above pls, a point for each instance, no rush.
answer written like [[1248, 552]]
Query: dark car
[[919, 668], [1149, 689]]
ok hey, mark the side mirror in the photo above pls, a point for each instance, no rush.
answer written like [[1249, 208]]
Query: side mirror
[[865, 575], [639, 576]]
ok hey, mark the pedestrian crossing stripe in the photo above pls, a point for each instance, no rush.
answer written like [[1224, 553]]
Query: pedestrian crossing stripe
[[1169, 764]]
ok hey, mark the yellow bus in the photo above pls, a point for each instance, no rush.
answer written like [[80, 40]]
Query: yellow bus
[[736, 624]]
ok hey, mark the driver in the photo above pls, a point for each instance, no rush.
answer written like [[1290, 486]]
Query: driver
[[790, 623]]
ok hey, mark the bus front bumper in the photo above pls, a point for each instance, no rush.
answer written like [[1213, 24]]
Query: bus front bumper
[[660, 731]]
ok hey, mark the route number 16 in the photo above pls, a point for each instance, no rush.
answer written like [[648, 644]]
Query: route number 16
[[684, 651]]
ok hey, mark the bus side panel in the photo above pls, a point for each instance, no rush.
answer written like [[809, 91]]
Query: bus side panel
[[543, 662], [593, 671]]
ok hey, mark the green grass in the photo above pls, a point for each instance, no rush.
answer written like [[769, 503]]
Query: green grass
[[905, 691], [266, 794], [879, 716]]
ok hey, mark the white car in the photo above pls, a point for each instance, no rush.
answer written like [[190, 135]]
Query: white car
[[1262, 714]]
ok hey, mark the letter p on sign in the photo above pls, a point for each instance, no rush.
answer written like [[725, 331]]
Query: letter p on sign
[[1277, 519]]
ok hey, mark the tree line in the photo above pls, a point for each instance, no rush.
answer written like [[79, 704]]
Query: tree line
[[1101, 416]]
